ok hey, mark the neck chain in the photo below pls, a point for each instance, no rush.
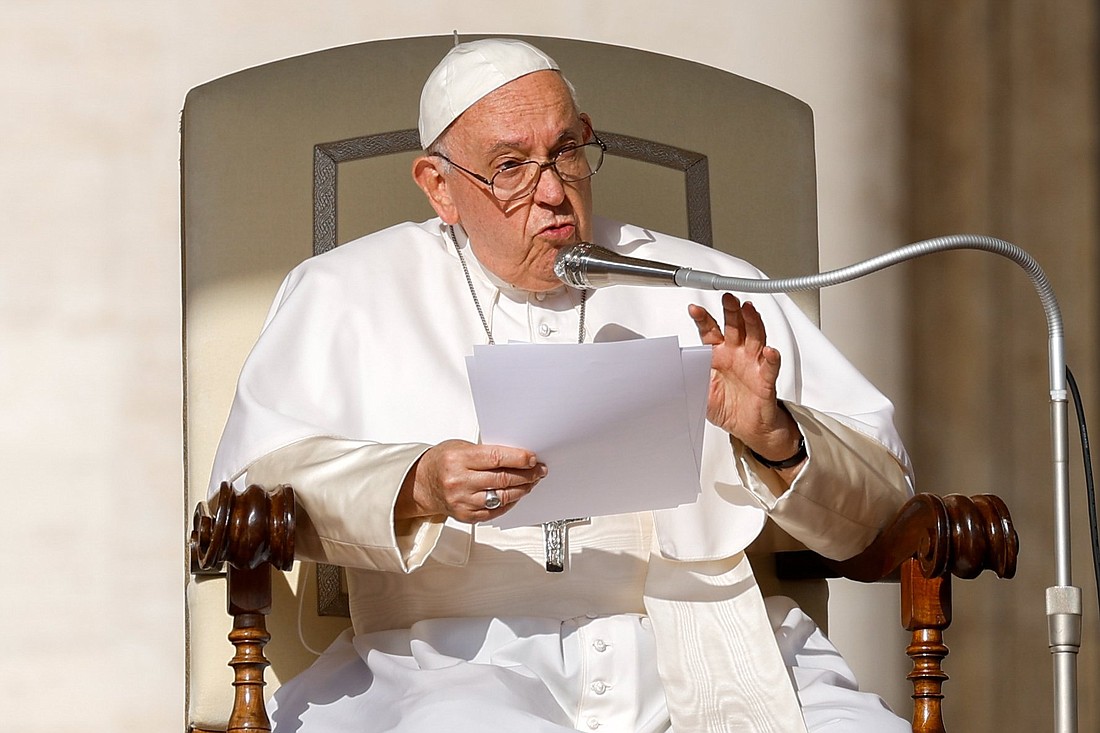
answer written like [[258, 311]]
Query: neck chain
[[477, 303]]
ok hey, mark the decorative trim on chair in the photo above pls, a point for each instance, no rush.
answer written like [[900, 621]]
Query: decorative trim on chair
[[332, 592], [326, 159], [328, 156], [692, 165]]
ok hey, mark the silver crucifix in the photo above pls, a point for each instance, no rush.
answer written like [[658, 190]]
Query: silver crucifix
[[554, 533]]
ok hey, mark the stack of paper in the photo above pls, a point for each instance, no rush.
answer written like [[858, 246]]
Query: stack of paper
[[619, 425]]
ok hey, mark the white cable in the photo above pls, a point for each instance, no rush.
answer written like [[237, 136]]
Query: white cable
[[303, 583]]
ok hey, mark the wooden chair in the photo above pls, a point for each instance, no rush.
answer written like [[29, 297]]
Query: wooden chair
[[295, 157]]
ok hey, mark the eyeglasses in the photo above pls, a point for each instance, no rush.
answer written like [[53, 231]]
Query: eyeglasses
[[518, 179]]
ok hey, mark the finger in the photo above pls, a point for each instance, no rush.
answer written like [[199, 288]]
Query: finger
[[709, 331], [507, 496], [477, 511], [490, 457], [506, 478], [510, 486], [755, 333], [734, 330]]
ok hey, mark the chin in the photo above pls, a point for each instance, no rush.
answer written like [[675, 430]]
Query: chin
[[541, 285], [543, 281]]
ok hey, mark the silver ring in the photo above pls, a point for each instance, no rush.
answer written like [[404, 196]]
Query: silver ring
[[492, 499]]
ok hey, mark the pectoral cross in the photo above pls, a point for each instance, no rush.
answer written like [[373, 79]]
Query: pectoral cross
[[554, 534]]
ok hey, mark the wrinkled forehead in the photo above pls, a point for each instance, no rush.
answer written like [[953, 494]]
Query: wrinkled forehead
[[530, 114]]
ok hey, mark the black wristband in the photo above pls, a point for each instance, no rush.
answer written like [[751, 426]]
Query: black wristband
[[798, 457]]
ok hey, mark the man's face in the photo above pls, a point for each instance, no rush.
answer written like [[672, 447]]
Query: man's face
[[531, 118]]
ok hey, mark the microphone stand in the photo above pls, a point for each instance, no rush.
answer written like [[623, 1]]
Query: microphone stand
[[1063, 599]]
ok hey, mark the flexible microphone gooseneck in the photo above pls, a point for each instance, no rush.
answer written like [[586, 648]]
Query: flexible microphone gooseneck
[[586, 266]]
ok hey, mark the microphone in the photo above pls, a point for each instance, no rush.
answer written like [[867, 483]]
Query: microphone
[[586, 265]]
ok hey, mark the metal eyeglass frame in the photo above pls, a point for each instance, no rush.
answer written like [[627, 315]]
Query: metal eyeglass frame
[[552, 163]]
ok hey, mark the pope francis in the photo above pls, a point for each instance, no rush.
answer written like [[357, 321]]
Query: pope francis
[[357, 395]]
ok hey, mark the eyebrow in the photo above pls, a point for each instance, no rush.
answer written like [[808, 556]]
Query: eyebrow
[[514, 145]]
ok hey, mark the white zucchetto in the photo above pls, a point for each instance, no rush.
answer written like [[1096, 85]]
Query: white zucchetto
[[467, 73]]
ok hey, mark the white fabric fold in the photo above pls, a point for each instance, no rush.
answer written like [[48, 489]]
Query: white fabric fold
[[709, 620]]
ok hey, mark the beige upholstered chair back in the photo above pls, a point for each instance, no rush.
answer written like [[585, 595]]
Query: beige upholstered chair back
[[296, 156]]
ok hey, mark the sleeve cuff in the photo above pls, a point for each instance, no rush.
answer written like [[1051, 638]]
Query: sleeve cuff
[[848, 488], [347, 490]]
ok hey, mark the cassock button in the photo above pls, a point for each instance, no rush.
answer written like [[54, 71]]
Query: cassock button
[[593, 723], [599, 687], [599, 645], [545, 330], [540, 296]]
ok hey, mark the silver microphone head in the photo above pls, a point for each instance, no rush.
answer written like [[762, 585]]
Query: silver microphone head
[[586, 265], [570, 265]]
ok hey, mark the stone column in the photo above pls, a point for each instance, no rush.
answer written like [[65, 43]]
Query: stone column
[[1003, 141]]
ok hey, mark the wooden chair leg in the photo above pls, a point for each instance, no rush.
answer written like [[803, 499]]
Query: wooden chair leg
[[932, 538], [926, 612], [249, 603], [252, 533]]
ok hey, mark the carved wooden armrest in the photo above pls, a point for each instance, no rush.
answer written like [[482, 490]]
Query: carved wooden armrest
[[945, 535], [931, 539], [251, 532]]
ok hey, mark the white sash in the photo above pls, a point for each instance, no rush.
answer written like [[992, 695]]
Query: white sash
[[716, 651]]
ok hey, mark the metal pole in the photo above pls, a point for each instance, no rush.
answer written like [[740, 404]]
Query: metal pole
[[1063, 600]]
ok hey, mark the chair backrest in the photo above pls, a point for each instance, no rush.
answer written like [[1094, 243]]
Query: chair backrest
[[300, 155]]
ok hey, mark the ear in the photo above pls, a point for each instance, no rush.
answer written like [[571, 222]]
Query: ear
[[428, 173], [591, 129]]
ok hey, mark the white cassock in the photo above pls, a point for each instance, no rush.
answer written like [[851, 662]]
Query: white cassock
[[657, 621]]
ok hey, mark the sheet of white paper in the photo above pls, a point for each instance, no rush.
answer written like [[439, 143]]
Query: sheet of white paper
[[696, 361], [619, 425]]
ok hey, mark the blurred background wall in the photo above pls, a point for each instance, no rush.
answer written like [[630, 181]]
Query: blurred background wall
[[932, 117]]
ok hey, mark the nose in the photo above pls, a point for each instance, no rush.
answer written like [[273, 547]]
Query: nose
[[549, 189]]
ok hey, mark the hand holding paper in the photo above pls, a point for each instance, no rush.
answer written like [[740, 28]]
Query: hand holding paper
[[619, 425]]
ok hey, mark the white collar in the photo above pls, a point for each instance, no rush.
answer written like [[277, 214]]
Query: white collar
[[483, 273], [607, 232]]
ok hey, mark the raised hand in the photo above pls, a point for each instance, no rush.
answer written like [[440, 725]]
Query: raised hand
[[744, 369]]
